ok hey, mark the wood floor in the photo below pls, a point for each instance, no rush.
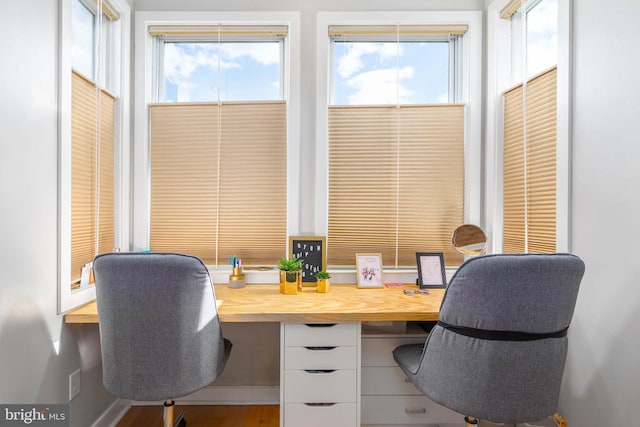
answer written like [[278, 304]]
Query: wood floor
[[206, 416]]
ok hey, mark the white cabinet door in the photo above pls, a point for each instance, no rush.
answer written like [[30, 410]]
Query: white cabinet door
[[388, 397], [387, 380], [405, 410]]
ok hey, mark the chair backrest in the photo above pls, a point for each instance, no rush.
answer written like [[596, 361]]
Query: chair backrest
[[159, 325], [499, 350]]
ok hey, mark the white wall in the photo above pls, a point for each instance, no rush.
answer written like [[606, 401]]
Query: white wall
[[37, 350], [602, 375]]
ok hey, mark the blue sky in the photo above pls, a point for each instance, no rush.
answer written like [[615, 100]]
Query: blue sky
[[248, 71], [364, 73], [373, 73]]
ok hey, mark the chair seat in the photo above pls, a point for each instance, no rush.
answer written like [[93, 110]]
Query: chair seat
[[408, 357]]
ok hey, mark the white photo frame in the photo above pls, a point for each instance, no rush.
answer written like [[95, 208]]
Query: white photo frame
[[369, 271]]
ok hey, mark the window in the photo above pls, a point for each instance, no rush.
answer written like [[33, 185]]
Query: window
[[92, 142], [248, 70], [530, 139], [90, 138], [396, 139], [534, 38], [83, 35], [218, 143], [377, 69]]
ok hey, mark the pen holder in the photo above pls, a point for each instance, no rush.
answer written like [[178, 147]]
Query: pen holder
[[236, 279]]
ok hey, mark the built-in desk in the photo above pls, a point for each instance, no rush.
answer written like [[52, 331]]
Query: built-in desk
[[330, 369], [345, 303]]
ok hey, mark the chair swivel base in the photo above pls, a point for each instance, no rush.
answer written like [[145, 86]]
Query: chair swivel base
[[167, 415]]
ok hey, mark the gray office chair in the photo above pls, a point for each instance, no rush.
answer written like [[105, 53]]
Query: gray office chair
[[159, 327], [498, 350]]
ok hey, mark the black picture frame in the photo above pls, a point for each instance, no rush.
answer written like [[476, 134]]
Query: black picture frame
[[313, 250], [431, 273]]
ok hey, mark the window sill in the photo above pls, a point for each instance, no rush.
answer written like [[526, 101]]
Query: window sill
[[338, 277]]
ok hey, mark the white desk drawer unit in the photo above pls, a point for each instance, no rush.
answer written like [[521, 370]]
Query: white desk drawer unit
[[320, 334], [388, 397], [320, 386], [327, 415], [321, 357], [320, 375]]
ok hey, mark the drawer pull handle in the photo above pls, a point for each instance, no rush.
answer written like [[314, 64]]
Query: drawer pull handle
[[320, 348], [319, 371], [415, 411], [320, 325], [319, 404]]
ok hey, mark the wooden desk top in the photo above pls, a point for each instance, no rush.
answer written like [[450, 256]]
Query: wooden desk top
[[344, 303]]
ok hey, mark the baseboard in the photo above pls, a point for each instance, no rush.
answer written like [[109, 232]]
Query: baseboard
[[113, 414], [228, 395]]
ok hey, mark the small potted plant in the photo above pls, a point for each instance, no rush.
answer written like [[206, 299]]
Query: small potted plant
[[290, 275], [323, 281]]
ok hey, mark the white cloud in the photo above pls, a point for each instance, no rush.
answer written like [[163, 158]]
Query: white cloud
[[542, 37], [264, 53], [379, 86], [543, 19], [351, 62], [181, 61]]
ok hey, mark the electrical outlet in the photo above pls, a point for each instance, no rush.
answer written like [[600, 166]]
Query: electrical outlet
[[74, 384]]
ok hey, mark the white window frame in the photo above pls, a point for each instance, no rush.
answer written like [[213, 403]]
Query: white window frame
[[144, 94], [499, 78], [469, 92], [118, 83]]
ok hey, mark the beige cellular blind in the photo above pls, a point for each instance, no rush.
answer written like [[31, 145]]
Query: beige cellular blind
[[218, 180], [92, 173], [375, 30], [530, 166], [513, 230], [107, 9], [541, 162], [396, 181], [224, 31], [510, 8]]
